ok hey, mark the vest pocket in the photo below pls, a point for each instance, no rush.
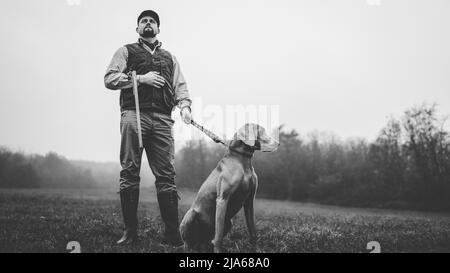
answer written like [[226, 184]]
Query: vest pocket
[[169, 96]]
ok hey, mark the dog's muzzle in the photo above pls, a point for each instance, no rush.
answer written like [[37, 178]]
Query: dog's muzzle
[[268, 147]]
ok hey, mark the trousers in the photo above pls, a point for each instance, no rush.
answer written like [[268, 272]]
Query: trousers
[[158, 142]]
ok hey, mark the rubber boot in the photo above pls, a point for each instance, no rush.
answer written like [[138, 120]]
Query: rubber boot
[[168, 205], [129, 200]]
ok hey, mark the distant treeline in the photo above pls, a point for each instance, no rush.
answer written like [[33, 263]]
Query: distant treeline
[[407, 166], [18, 170]]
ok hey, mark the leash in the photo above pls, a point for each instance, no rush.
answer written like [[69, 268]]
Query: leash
[[207, 132]]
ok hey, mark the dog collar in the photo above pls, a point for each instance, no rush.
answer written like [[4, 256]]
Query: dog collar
[[246, 152]]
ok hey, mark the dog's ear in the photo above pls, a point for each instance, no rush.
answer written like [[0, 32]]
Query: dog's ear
[[248, 134], [267, 143]]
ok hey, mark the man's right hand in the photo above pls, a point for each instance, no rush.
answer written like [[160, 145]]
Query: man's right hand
[[152, 78]]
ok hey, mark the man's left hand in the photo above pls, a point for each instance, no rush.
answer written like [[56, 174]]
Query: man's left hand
[[186, 115]]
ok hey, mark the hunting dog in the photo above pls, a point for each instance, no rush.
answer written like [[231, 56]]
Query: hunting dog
[[230, 186]]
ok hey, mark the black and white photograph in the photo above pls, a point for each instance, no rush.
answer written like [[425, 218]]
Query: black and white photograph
[[250, 127]]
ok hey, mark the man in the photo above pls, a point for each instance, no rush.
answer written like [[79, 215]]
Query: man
[[161, 87]]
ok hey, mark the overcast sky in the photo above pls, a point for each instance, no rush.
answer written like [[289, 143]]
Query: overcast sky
[[340, 66]]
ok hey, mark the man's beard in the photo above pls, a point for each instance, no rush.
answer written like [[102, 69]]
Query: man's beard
[[148, 33]]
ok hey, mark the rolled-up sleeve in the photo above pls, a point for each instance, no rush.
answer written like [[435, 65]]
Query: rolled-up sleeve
[[114, 76], [180, 86]]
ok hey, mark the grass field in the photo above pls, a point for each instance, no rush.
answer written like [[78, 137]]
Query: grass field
[[45, 220]]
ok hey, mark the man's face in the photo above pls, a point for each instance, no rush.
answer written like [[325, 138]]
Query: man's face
[[147, 27]]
